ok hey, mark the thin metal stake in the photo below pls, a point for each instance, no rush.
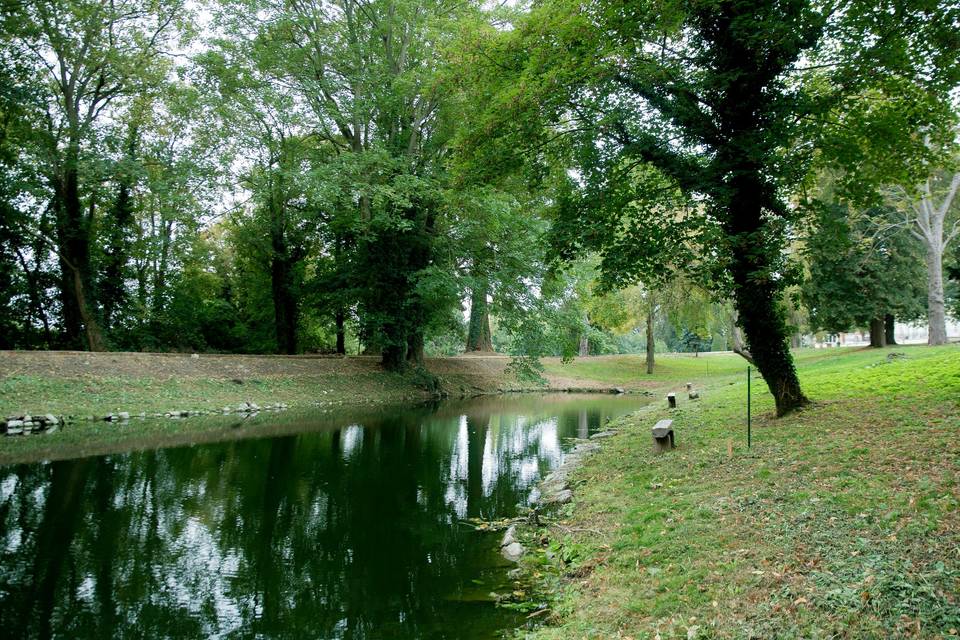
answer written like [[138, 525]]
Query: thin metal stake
[[748, 408]]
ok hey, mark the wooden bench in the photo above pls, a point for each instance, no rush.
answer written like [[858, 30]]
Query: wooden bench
[[663, 436]]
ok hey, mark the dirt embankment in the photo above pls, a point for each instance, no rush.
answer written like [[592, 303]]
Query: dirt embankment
[[78, 364], [481, 372]]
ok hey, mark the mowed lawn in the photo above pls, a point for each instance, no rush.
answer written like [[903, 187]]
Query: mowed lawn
[[842, 521]]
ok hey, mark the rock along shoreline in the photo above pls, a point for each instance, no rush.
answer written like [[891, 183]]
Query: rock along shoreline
[[555, 489]]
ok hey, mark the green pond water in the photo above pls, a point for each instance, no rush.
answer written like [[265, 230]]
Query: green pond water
[[337, 524]]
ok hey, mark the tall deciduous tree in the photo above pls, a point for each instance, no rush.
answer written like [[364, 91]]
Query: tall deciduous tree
[[858, 277], [271, 136], [933, 219], [719, 98], [498, 233], [91, 55]]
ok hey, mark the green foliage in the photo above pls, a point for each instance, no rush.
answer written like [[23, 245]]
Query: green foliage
[[351, 173], [694, 342], [674, 136], [953, 282], [859, 273]]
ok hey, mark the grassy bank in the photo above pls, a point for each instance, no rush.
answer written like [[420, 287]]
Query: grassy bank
[[85, 385], [80, 383], [842, 521], [97, 384]]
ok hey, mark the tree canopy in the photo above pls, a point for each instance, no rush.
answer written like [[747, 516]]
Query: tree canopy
[[404, 177], [684, 128]]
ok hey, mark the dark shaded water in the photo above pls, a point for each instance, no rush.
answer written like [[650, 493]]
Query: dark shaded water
[[348, 526]]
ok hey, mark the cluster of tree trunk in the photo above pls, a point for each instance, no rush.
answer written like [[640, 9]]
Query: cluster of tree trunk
[[882, 331]]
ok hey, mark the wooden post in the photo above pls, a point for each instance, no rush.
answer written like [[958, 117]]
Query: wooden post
[[672, 400], [749, 438]]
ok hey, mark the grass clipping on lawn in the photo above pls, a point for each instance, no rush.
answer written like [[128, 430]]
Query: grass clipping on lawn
[[842, 521]]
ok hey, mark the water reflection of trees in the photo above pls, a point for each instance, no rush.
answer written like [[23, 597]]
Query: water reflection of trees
[[347, 532]]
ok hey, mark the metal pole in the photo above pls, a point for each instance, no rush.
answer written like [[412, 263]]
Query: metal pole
[[748, 408]]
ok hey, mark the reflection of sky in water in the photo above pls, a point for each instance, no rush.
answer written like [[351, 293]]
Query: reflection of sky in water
[[344, 532], [352, 439]]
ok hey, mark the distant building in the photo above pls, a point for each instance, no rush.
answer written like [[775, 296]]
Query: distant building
[[904, 333]]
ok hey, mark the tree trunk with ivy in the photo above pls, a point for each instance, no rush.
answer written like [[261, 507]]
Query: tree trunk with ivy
[[73, 227], [745, 199], [119, 237], [757, 293], [766, 336], [415, 348], [284, 256]]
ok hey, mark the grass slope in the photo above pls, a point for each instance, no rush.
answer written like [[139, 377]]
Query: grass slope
[[842, 521]]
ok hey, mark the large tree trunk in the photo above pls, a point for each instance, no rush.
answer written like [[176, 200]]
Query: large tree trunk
[[415, 348], [930, 223], [736, 339], [91, 329], [285, 308], [767, 335], [393, 358], [757, 295], [651, 344], [746, 200], [878, 333], [70, 225], [889, 324], [478, 331], [112, 292], [392, 344], [282, 259], [936, 311], [583, 347], [400, 257], [73, 249]]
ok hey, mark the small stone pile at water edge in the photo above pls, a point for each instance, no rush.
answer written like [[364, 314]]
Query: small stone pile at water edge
[[26, 424]]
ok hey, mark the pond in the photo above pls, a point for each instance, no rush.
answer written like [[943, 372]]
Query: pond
[[344, 524]]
